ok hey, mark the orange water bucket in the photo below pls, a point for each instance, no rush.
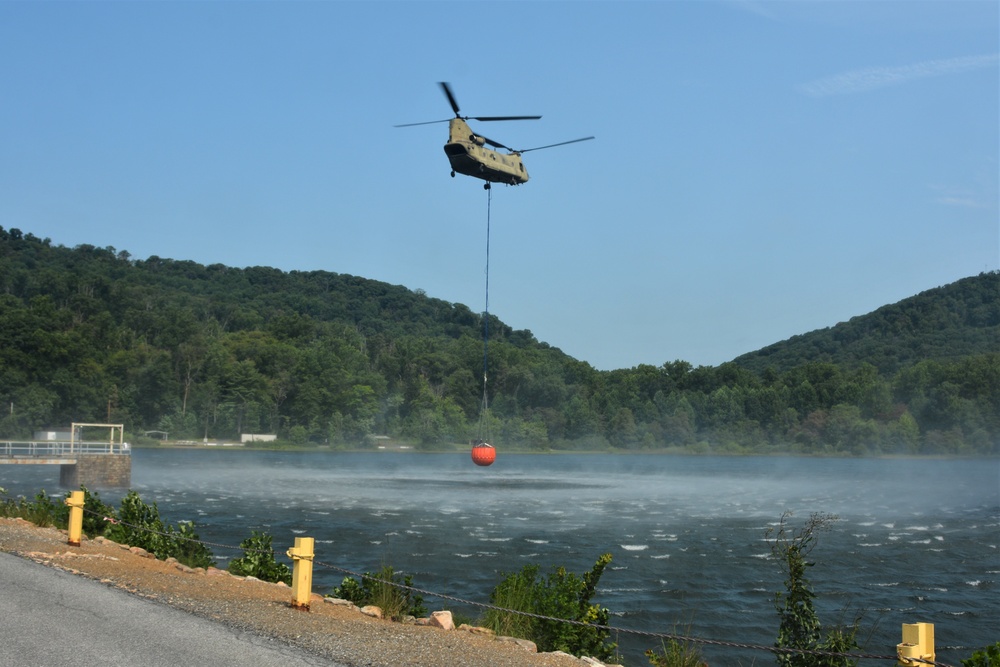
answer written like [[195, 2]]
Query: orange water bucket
[[483, 454]]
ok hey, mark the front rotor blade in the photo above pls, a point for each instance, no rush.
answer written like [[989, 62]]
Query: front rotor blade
[[451, 98], [561, 143], [426, 122]]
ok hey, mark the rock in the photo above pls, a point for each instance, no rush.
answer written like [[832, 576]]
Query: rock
[[442, 619], [216, 572], [139, 551], [171, 561], [523, 643], [184, 568], [340, 602], [372, 610], [476, 630]]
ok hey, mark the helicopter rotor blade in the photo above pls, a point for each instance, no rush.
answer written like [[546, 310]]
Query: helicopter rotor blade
[[426, 122], [496, 144], [561, 143], [451, 98], [458, 113], [489, 118]]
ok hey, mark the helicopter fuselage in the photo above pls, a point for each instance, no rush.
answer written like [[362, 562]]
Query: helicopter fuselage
[[469, 155]]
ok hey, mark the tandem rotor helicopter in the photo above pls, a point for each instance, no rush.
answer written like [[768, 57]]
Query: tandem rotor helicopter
[[468, 152]]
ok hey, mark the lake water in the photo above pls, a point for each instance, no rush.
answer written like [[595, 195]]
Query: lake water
[[917, 540]]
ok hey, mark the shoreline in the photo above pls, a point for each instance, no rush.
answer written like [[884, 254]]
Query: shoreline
[[573, 452], [334, 632]]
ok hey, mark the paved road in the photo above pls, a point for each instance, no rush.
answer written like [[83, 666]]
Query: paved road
[[50, 618]]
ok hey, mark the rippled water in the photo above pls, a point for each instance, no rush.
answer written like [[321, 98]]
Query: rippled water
[[917, 540]]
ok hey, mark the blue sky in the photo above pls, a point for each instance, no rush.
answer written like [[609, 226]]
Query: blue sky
[[761, 169]]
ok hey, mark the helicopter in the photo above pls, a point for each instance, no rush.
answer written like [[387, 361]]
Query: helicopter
[[470, 153]]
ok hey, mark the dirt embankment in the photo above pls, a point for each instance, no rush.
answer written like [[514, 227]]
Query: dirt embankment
[[338, 633]]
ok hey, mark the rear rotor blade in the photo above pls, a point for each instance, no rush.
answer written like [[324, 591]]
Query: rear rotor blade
[[561, 143], [495, 144], [488, 118]]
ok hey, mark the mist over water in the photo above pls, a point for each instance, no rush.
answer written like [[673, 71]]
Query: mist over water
[[917, 540]]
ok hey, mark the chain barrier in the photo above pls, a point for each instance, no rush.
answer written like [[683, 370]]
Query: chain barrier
[[483, 605]]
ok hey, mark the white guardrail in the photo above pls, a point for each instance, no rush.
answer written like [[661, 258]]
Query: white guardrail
[[45, 448]]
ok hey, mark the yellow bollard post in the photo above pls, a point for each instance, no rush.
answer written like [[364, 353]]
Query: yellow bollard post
[[918, 644], [75, 502], [302, 572]]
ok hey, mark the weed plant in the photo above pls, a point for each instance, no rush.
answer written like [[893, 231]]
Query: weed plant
[[674, 653], [385, 590], [800, 627]]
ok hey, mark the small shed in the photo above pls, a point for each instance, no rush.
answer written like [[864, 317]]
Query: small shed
[[54, 434]]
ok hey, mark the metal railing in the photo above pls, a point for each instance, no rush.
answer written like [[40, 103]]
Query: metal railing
[[53, 448]]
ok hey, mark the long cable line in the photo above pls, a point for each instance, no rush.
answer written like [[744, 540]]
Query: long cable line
[[484, 421]]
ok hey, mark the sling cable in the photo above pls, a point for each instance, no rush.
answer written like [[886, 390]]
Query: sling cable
[[483, 452]]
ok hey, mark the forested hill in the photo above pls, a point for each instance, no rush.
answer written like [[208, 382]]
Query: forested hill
[[90, 334], [945, 323]]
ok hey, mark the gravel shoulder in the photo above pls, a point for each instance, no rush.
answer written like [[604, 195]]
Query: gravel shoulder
[[334, 632]]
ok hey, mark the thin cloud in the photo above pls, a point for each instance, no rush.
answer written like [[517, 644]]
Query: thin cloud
[[961, 197], [871, 78]]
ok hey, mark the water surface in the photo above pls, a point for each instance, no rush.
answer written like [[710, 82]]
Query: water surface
[[917, 540]]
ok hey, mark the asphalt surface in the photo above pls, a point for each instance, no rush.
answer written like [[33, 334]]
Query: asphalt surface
[[50, 618]]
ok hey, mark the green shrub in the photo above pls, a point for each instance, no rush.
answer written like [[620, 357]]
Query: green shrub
[[43, 511], [140, 525], [561, 595], [988, 656], [384, 589], [94, 513], [258, 560], [188, 548]]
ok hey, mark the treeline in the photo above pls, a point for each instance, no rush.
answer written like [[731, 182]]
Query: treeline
[[90, 334], [945, 323]]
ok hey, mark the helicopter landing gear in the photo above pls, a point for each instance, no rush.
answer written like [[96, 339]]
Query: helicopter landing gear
[[453, 173], [486, 186]]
